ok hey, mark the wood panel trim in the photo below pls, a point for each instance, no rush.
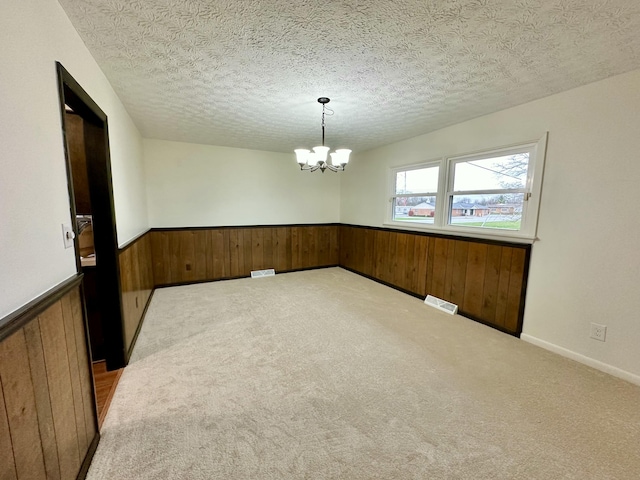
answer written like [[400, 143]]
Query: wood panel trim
[[20, 407], [19, 318], [492, 325], [523, 291], [137, 284], [142, 317], [236, 227], [86, 463], [132, 242], [501, 243]]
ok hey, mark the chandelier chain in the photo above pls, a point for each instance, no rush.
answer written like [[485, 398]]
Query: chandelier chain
[[325, 109]]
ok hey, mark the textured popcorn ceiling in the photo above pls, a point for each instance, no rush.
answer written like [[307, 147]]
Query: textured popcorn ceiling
[[247, 73]]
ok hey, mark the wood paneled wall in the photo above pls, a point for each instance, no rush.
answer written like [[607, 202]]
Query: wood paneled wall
[[192, 255], [136, 280], [48, 420], [487, 280]]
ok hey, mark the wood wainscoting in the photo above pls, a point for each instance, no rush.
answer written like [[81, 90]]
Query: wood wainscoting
[[48, 420], [486, 279], [188, 255], [136, 280]]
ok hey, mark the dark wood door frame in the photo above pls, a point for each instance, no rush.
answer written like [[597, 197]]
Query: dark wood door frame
[[96, 137]]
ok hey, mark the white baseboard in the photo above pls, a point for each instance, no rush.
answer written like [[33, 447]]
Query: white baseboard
[[603, 367]]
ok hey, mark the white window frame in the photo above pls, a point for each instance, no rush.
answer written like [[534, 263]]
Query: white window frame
[[394, 195], [532, 193]]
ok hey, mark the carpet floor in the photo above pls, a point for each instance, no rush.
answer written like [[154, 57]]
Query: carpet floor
[[327, 375]]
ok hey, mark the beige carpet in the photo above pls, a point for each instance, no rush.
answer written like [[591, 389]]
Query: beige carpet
[[327, 375]]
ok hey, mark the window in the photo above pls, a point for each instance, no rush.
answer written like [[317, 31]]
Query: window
[[493, 187], [414, 194], [487, 194]]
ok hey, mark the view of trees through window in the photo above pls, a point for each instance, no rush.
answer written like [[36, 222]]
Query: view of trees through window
[[488, 193]]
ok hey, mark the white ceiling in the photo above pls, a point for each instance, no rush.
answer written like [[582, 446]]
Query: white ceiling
[[247, 73]]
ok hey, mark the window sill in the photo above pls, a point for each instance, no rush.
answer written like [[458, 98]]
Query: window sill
[[463, 233]]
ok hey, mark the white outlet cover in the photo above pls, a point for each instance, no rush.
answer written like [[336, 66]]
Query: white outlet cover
[[67, 235], [598, 332]]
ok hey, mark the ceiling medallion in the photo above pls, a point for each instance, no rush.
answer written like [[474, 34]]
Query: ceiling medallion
[[317, 160]]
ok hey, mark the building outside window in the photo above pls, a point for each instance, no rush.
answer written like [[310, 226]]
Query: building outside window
[[489, 194]]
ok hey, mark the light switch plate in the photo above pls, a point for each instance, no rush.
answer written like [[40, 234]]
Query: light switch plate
[[67, 235]]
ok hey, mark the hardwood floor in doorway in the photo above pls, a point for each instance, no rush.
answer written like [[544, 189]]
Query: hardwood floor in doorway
[[106, 383]]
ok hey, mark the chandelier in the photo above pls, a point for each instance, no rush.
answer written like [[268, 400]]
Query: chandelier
[[317, 160]]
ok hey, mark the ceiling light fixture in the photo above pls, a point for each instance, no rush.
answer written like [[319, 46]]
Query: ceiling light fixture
[[317, 160]]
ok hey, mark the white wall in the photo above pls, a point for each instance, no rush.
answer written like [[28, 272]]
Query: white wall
[[34, 200], [204, 185], [585, 267]]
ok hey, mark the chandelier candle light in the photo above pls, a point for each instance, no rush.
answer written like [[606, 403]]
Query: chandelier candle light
[[317, 160]]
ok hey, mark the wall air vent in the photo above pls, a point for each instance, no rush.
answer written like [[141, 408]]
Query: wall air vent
[[440, 304], [269, 272]]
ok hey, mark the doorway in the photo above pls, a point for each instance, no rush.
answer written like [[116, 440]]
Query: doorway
[[86, 140]]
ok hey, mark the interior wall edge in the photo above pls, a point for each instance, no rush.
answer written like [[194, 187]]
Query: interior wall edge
[[578, 357], [132, 240], [29, 311], [382, 282], [136, 286]]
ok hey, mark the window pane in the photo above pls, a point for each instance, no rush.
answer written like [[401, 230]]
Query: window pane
[[414, 209], [422, 180], [487, 211], [492, 173]]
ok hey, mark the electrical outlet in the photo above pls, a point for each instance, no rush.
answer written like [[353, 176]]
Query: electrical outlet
[[598, 332]]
